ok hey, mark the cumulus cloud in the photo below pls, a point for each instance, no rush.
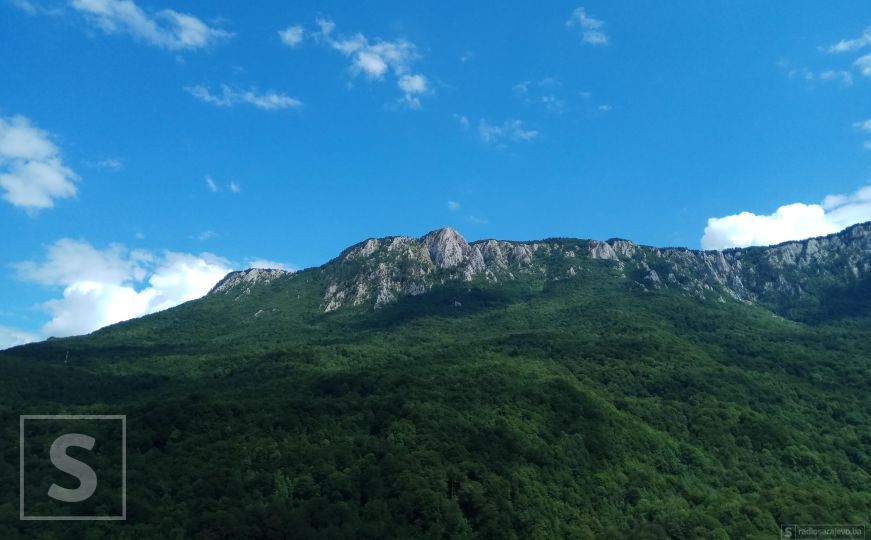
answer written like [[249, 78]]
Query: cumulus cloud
[[376, 58], [292, 35], [847, 45], [591, 29], [12, 337], [167, 29], [413, 86], [791, 222], [106, 286], [228, 97], [32, 173]]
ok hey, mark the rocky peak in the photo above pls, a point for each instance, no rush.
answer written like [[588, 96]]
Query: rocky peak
[[247, 278], [447, 248]]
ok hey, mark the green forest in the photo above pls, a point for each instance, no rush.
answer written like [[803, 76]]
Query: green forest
[[536, 409]]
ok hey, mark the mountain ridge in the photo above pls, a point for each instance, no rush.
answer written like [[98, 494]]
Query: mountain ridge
[[379, 271]]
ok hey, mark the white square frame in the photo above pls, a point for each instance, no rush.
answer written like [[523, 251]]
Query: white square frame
[[123, 418]]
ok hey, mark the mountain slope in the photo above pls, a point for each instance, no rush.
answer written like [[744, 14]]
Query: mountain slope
[[432, 388]]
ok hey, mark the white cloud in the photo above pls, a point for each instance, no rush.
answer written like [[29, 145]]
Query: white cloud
[[791, 222], [210, 183], [802, 72], [845, 77], [462, 119], [543, 92], [510, 130], [268, 264], [864, 125], [12, 337], [605, 108], [852, 44], [292, 35], [591, 29], [110, 164], [377, 58], [34, 8], [864, 65], [228, 97], [453, 205], [167, 29], [203, 236], [867, 145], [553, 103], [234, 187], [32, 173], [413, 86], [102, 287]]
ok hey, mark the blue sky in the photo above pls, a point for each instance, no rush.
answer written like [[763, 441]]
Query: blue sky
[[151, 146]]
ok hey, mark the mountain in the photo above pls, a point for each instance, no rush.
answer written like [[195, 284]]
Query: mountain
[[377, 272], [435, 388]]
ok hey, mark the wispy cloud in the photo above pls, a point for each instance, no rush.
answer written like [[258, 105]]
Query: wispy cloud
[[166, 28], [863, 64], [865, 127], [377, 58], [809, 75], [592, 31], [510, 130], [848, 45], [111, 164], [795, 221], [292, 35], [453, 206], [210, 183], [845, 77], [228, 97], [203, 236], [32, 174], [214, 187], [498, 134], [542, 92], [36, 8]]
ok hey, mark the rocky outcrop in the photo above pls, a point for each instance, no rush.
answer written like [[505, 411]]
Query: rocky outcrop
[[380, 271], [246, 279]]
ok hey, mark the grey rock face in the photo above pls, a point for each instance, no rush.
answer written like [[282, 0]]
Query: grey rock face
[[380, 271], [247, 279]]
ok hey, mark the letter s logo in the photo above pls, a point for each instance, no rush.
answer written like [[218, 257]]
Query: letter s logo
[[86, 475]]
